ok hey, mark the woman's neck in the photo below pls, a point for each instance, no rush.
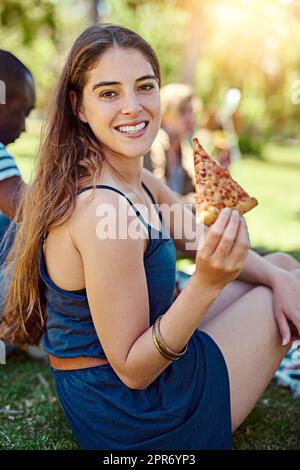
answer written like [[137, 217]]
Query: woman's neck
[[128, 171]]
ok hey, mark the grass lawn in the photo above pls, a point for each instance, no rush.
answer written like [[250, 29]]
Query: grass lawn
[[275, 182], [30, 415]]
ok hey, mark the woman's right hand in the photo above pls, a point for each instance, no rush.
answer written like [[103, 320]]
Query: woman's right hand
[[222, 251]]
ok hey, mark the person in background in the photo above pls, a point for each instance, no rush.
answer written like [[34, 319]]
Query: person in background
[[15, 106], [215, 140], [18, 102], [171, 156]]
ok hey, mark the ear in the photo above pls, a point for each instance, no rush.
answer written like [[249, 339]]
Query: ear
[[74, 103]]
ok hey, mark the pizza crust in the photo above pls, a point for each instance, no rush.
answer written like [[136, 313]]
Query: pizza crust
[[206, 216], [247, 205], [209, 215]]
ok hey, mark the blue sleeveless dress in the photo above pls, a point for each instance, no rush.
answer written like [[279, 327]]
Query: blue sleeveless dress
[[187, 407]]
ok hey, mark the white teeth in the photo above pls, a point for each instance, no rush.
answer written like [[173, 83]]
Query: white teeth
[[132, 129]]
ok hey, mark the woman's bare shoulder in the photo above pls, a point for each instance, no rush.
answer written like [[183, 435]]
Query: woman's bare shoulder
[[91, 204]]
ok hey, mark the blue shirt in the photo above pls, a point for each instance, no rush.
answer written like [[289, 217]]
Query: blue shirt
[[8, 166]]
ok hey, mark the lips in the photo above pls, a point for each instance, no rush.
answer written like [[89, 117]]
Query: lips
[[133, 123], [133, 130]]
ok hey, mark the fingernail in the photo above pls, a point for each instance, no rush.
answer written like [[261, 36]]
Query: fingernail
[[284, 341]]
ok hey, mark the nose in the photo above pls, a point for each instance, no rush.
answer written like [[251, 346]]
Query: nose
[[131, 104]]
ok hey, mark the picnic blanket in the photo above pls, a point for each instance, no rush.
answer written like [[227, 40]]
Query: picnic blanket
[[287, 375]]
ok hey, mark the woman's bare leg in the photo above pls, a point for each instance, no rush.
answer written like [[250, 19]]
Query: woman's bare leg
[[249, 339], [236, 289]]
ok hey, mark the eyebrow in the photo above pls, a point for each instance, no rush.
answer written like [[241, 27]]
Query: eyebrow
[[145, 77]]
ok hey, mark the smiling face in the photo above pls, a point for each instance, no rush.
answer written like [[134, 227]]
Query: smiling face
[[121, 103]]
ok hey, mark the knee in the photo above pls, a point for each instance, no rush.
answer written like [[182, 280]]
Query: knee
[[283, 260], [296, 273]]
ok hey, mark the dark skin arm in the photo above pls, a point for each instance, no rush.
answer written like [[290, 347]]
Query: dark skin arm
[[10, 191]]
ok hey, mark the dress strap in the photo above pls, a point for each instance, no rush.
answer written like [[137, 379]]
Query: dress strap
[[149, 192], [104, 186], [153, 200]]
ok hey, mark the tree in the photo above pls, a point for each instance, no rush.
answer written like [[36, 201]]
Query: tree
[[30, 16]]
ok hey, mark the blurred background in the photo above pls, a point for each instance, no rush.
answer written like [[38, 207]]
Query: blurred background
[[248, 50], [243, 59]]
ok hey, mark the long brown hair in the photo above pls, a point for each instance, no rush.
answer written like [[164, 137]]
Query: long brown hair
[[69, 158]]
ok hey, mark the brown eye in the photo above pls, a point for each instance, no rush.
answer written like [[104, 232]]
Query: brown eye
[[147, 87], [107, 94]]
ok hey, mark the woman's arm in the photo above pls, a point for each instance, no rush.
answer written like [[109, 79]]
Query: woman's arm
[[10, 192], [178, 216], [118, 296], [257, 270]]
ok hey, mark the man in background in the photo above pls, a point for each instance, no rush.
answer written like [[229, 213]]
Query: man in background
[[16, 102], [15, 106]]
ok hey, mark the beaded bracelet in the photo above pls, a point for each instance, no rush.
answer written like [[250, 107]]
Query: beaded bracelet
[[161, 345]]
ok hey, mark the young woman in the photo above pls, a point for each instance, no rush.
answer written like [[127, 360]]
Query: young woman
[[133, 369]]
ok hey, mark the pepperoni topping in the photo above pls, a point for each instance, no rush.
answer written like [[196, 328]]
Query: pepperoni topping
[[219, 171]]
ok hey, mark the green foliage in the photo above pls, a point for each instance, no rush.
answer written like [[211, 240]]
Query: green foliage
[[255, 49], [34, 30], [154, 20], [31, 16], [251, 144]]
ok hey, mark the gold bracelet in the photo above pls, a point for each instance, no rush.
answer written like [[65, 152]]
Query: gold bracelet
[[166, 356], [161, 345]]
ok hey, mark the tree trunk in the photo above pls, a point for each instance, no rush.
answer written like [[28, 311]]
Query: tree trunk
[[95, 8], [194, 42]]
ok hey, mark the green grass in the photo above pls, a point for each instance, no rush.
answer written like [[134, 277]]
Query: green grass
[[273, 424], [275, 182], [30, 415]]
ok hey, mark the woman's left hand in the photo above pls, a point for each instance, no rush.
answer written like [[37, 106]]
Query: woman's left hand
[[286, 297]]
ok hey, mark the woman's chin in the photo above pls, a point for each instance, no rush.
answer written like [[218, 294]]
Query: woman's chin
[[135, 150]]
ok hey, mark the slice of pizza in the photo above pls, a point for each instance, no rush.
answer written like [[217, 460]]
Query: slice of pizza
[[215, 188]]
